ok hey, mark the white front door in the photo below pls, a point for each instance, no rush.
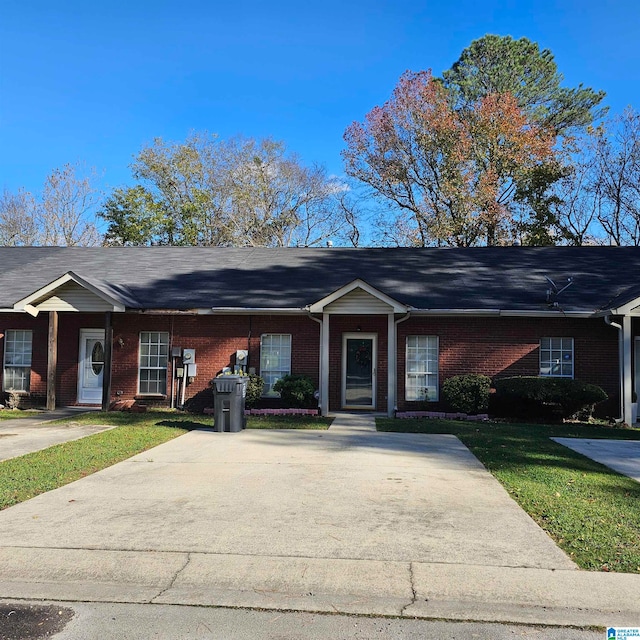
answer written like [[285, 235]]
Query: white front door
[[90, 366], [359, 362]]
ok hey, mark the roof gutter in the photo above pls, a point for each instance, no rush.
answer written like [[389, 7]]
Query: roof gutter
[[501, 313], [252, 310], [546, 314]]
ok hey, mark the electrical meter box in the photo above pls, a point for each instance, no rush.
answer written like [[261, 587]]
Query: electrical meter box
[[188, 356]]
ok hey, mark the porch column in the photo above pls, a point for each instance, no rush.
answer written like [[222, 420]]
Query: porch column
[[108, 351], [392, 362], [52, 360], [626, 360], [324, 365]]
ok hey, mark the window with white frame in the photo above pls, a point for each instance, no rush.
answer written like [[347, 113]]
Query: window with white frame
[[556, 357], [275, 359], [422, 368], [154, 355], [17, 360]]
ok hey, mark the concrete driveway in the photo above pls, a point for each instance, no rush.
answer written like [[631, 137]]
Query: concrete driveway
[[19, 439], [342, 520]]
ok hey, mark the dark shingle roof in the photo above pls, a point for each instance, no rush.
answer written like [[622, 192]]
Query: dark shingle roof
[[509, 278]]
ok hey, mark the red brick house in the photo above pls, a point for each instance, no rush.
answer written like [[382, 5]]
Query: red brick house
[[377, 329]]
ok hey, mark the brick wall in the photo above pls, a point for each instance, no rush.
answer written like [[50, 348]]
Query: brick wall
[[216, 340], [510, 347], [40, 327], [493, 346]]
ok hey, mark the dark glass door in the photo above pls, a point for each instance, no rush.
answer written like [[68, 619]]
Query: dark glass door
[[359, 372]]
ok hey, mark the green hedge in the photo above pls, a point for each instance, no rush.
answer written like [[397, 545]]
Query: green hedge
[[547, 398], [296, 391], [467, 393]]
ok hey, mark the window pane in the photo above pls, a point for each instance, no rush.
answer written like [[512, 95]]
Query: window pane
[[17, 360], [153, 358], [422, 368], [556, 357], [275, 359]]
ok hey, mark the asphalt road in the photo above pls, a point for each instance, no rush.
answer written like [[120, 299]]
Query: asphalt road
[[95, 621]]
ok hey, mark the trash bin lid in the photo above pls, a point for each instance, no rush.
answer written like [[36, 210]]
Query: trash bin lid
[[227, 384]]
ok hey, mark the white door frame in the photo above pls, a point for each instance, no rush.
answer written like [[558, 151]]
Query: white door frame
[[359, 335], [83, 396]]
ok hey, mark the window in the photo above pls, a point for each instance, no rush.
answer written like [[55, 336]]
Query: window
[[275, 360], [154, 351], [556, 357], [17, 360], [422, 368]]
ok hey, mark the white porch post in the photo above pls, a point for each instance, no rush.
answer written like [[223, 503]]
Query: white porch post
[[392, 360], [626, 359], [324, 365]]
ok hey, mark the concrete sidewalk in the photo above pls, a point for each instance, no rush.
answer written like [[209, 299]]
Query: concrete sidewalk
[[26, 435], [622, 456], [346, 520]]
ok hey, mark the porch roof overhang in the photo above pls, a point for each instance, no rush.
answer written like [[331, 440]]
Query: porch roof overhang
[[394, 306], [631, 308], [71, 292]]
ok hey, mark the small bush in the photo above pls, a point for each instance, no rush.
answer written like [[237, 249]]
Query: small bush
[[468, 393], [545, 398], [254, 390], [296, 391], [12, 399]]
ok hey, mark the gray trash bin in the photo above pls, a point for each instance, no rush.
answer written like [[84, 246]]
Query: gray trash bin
[[229, 393]]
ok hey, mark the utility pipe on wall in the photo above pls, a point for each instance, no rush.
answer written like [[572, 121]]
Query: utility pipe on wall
[[395, 394], [617, 326], [322, 391]]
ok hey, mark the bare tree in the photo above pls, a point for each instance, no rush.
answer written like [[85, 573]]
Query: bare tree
[[576, 195], [18, 219], [617, 191], [65, 212]]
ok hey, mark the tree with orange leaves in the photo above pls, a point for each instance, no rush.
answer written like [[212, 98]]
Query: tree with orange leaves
[[451, 174]]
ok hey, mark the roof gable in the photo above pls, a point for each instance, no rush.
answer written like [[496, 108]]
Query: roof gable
[[357, 297], [69, 292]]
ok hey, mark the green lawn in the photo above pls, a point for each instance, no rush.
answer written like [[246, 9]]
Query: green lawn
[[288, 422], [592, 512], [11, 414]]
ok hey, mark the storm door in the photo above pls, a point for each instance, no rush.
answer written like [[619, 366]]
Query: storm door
[[90, 366], [359, 362]]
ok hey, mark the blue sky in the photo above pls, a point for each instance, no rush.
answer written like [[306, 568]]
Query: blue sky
[[94, 81]]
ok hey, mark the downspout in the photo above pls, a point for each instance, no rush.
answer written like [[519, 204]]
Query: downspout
[[397, 322], [617, 326], [319, 359], [249, 343]]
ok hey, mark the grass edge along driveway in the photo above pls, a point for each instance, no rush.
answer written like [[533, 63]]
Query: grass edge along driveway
[[591, 511], [29, 475]]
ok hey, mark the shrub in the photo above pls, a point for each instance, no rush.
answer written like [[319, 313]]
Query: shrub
[[532, 397], [296, 390], [468, 393], [255, 385]]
